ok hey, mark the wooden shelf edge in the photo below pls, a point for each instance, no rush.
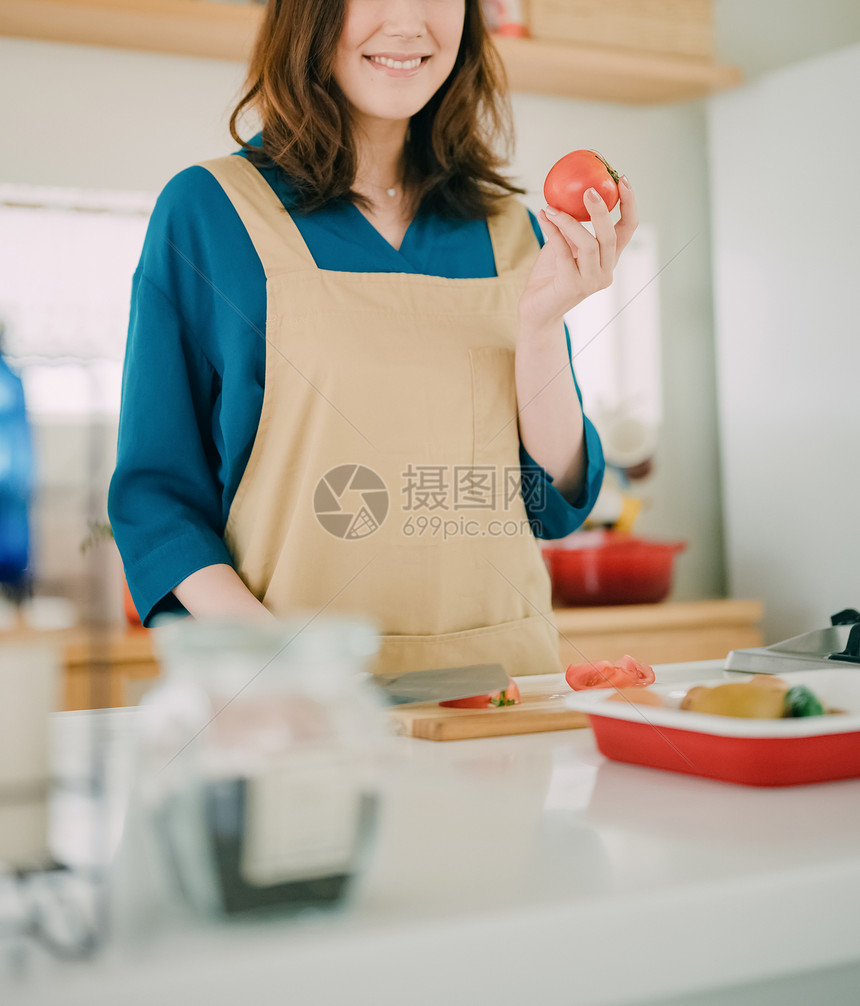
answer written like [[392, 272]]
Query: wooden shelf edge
[[657, 617], [227, 31], [618, 75], [175, 27]]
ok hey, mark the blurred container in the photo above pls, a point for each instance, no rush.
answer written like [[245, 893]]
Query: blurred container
[[259, 761], [506, 17], [16, 478], [596, 568], [29, 692]]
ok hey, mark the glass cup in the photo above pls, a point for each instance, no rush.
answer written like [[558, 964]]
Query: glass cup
[[259, 760]]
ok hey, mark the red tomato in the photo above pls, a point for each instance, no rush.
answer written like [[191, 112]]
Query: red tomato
[[472, 702], [568, 179], [628, 672], [509, 696]]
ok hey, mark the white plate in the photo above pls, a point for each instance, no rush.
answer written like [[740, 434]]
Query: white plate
[[839, 689]]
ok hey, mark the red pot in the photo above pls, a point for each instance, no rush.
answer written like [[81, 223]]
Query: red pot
[[605, 567]]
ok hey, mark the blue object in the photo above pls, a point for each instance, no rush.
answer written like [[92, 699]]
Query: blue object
[[196, 340], [16, 478]]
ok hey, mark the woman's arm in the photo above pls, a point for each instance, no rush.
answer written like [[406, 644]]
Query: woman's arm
[[219, 592], [571, 266], [550, 417], [195, 361]]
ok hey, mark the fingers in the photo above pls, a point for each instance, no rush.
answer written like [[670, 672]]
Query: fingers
[[579, 262], [565, 251], [604, 231], [571, 231], [629, 220], [582, 242], [588, 256]]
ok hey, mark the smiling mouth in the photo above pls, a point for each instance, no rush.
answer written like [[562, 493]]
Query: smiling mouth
[[397, 64]]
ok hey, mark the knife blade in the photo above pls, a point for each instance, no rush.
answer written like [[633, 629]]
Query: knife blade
[[441, 684]]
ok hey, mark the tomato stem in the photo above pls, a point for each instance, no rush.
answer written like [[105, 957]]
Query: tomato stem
[[608, 166]]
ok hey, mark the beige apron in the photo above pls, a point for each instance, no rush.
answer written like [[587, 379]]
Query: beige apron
[[390, 409]]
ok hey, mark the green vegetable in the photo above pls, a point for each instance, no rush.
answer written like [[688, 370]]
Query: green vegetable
[[504, 698], [800, 701]]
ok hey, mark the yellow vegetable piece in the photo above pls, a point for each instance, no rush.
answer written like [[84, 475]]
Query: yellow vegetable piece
[[768, 681], [736, 700]]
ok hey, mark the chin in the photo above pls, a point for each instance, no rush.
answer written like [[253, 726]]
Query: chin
[[392, 111]]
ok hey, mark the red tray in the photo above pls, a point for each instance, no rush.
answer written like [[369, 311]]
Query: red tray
[[753, 752]]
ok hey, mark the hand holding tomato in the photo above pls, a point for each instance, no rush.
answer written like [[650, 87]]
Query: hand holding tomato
[[573, 264]]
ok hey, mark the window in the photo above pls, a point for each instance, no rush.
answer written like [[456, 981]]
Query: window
[[615, 341], [615, 336], [67, 257]]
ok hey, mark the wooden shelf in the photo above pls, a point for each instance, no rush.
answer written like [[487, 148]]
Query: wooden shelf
[[226, 31]]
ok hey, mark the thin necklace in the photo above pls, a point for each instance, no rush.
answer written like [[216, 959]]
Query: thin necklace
[[392, 192]]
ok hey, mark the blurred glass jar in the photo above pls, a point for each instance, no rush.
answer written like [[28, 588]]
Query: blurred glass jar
[[259, 760]]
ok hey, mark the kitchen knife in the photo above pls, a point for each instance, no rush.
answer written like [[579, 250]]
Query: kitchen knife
[[442, 684]]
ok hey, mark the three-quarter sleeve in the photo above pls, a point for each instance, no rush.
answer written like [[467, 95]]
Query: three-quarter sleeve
[[192, 389], [551, 514], [164, 502]]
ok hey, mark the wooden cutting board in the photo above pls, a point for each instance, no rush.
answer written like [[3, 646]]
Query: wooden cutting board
[[542, 708]]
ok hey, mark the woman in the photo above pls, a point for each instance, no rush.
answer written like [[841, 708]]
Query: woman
[[347, 331]]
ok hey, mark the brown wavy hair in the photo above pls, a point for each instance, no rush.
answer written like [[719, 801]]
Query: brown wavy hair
[[452, 164]]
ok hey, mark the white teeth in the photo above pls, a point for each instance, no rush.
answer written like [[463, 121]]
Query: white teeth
[[396, 64]]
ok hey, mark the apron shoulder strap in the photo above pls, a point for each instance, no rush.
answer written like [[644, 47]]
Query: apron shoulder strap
[[515, 245], [271, 228]]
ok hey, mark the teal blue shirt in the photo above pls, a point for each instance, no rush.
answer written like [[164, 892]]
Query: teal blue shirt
[[192, 389]]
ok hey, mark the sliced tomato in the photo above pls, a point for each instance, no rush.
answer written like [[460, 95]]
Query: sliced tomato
[[627, 673], [472, 702], [509, 696], [643, 673], [598, 674]]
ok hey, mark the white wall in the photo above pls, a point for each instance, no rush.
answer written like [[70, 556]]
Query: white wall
[[97, 117], [109, 118], [764, 35], [786, 210]]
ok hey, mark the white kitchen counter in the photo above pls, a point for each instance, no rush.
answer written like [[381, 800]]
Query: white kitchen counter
[[531, 870]]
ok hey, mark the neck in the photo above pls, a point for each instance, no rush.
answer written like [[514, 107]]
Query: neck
[[381, 158]]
